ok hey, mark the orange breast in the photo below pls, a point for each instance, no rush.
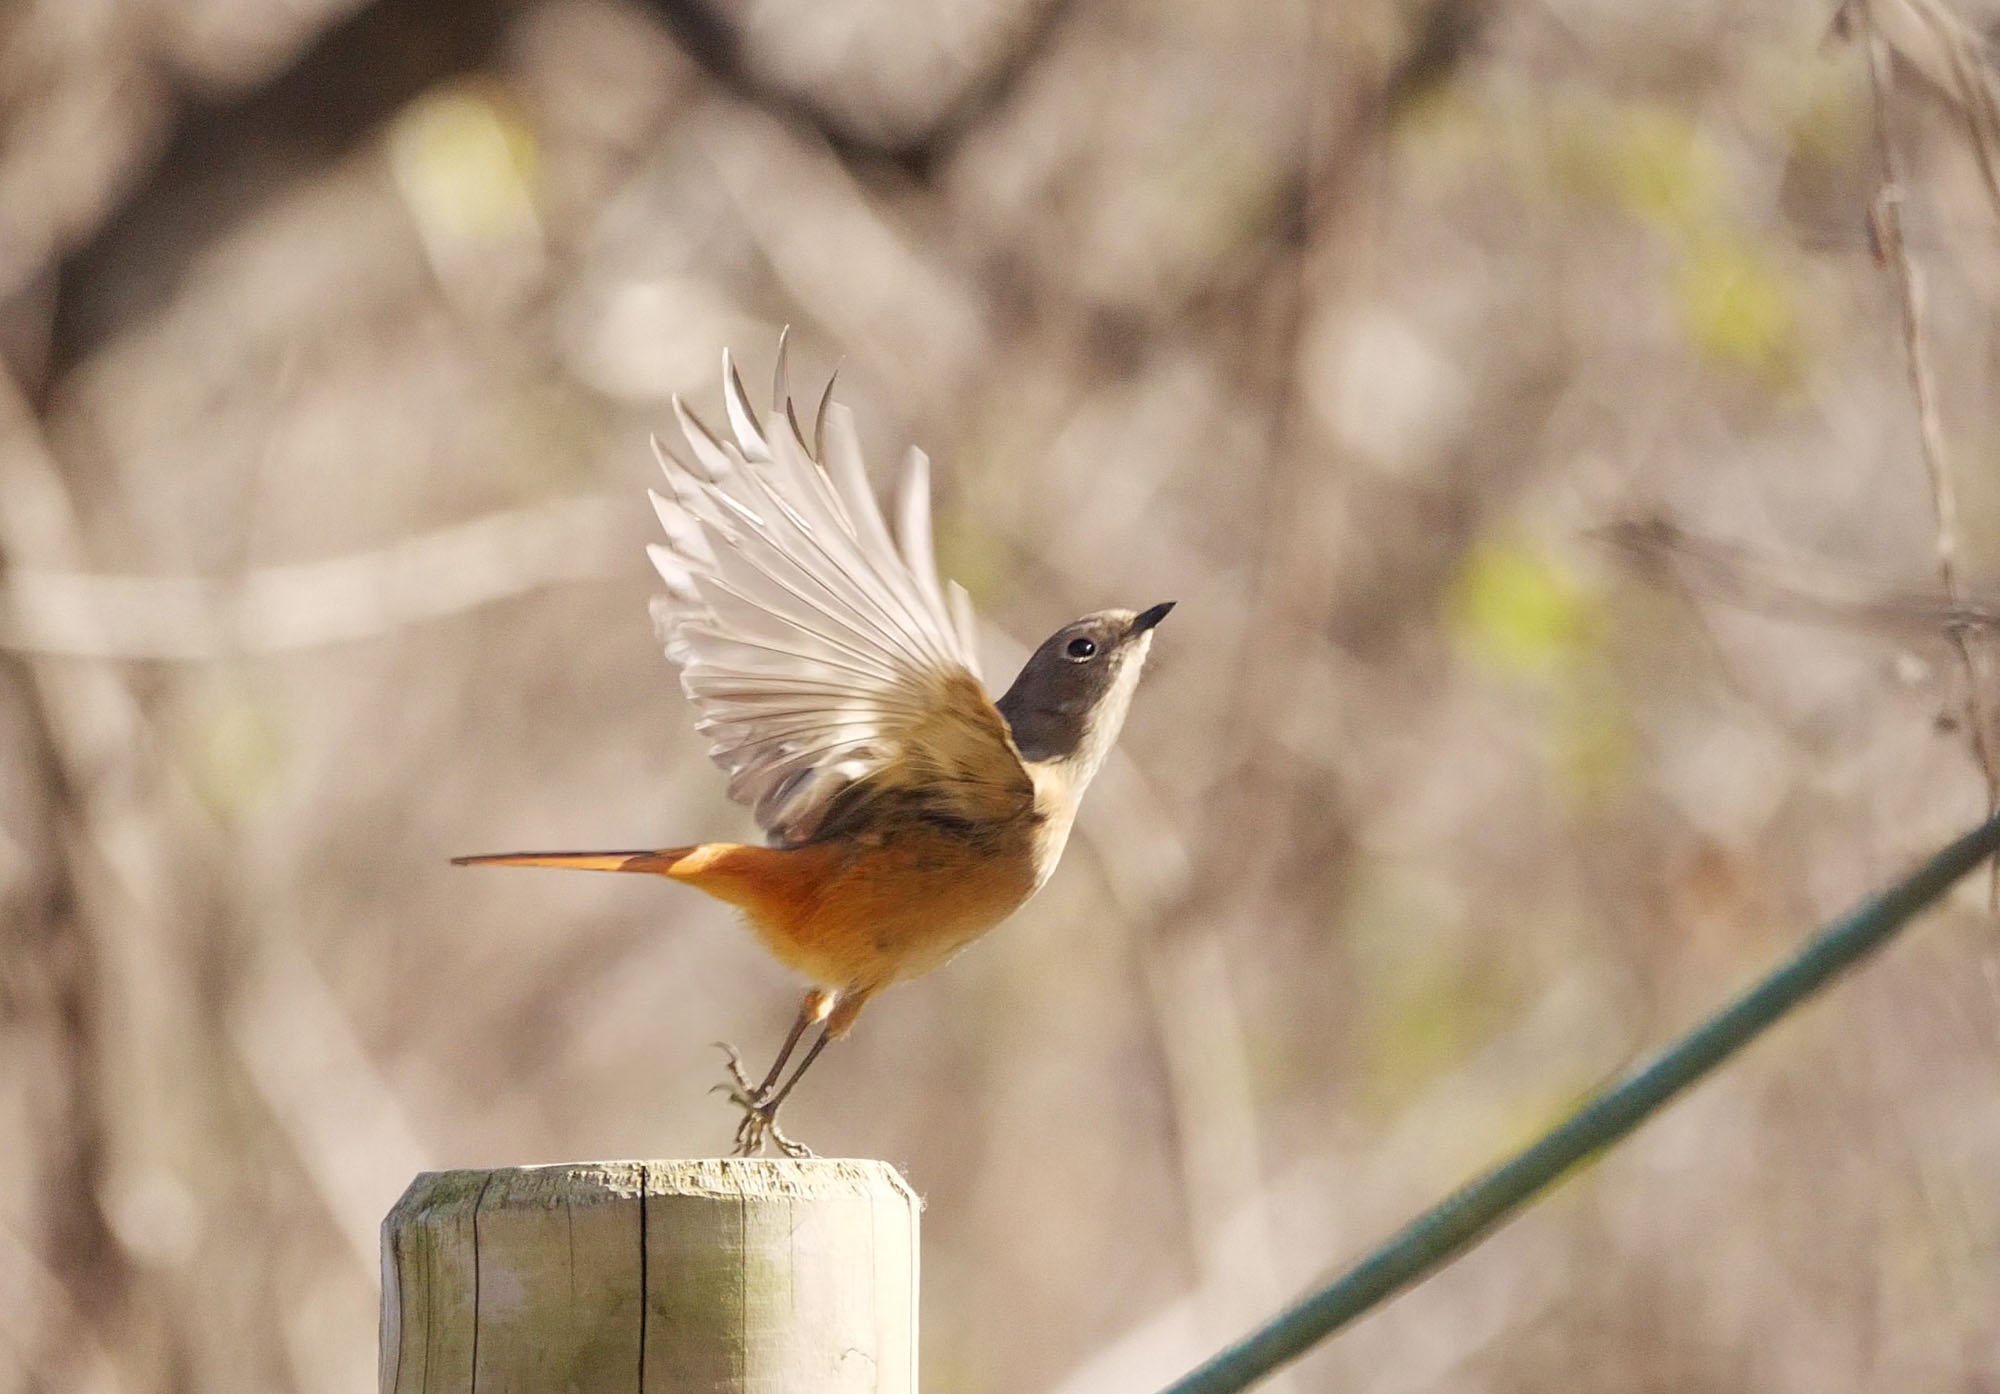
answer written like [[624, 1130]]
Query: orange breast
[[864, 913]]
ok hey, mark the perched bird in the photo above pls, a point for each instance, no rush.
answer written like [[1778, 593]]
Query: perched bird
[[907, 813]]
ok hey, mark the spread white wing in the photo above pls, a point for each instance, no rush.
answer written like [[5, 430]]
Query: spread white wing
[[818, 650]]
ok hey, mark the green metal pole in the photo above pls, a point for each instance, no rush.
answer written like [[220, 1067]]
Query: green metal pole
[[1455, 1223]]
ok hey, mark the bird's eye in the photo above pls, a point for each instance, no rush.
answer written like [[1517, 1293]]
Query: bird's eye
[[1080, 649]]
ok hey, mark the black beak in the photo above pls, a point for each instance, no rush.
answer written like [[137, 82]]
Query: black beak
[[1148, 618]]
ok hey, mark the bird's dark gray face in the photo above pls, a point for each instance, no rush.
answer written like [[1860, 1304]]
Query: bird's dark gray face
[[1072, 694]]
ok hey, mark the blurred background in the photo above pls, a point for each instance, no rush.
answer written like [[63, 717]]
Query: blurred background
[[1514, 395]]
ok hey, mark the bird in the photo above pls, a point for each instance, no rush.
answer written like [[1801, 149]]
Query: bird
[[906, 811]]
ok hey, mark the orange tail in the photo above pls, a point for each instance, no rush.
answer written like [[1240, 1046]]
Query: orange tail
[[772, 883], [660, 863]]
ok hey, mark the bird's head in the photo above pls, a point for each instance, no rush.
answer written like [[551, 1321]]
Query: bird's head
[[1072, 694]]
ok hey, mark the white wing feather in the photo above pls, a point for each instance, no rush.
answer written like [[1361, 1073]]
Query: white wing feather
[[807, 638]]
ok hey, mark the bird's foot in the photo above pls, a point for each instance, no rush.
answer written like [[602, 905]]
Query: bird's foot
[[760, 1112], [760, 1125]]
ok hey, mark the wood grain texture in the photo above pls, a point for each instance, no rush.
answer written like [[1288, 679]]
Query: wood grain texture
[[670, 1277]]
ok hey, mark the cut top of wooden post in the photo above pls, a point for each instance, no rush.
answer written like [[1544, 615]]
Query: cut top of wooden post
[[653, 1278]]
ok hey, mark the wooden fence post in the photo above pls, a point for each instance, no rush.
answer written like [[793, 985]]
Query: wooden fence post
[[785, 1277]]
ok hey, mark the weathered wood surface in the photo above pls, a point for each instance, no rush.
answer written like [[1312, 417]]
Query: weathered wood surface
[[677, 1277]]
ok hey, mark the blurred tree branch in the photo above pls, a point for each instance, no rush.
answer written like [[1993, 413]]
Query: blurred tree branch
[[163, 1014], [1197, 1012], [109, 851], [708, 36], [279, 609], [227, 156]]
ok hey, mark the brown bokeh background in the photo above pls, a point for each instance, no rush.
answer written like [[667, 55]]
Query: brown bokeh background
[[334, 332]]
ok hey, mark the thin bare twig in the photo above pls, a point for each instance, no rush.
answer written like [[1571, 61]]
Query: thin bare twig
[[1932, 42], [1797, 590], [1887, 217]]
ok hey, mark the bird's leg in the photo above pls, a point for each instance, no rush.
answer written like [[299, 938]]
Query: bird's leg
[[760, 1104], [760, 1107], [813, 1009]]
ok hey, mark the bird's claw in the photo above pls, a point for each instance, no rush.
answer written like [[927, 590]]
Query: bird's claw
[[759, 1126], [733, 1062], [760, 1112]]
